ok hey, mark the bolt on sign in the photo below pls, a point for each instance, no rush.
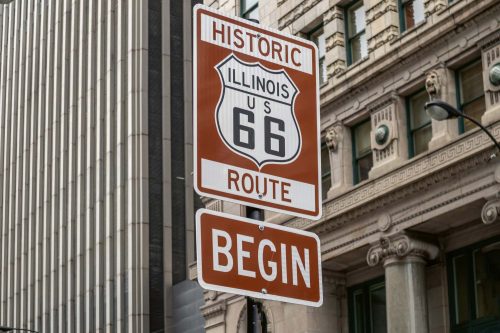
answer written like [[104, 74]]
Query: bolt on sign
[[256, 115], [258, 259]]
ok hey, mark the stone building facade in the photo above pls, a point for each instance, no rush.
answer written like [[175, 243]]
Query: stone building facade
[[410, 235]]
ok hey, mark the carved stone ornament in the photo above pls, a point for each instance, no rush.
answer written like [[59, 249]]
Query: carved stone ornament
[[433, 83], [494, 74], [381, 134], [400, 246], [333, 137], [490, 211], [384, 222]]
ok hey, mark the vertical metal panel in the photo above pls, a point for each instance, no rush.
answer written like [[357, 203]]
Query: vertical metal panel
[[73, 166]]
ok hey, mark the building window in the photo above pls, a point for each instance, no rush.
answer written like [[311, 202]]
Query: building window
[[317, 36], [326, 180], [362, 151], [419, 123], [470, 93], [411, 12], [474, 280], [357, 46], [250, 9], [367, 307]]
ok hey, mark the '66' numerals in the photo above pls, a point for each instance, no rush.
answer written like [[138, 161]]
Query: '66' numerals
[[269, 136]]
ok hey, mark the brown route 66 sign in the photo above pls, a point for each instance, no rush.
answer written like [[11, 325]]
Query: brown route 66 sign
[[256, 115]]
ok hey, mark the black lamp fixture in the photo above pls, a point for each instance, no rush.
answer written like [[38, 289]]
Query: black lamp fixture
[[13, 329], [440, 110]]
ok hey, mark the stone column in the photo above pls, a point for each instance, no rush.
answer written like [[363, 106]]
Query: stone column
[[338, 142], [440, 84], [404, 259], [491, 65], [335, 57]]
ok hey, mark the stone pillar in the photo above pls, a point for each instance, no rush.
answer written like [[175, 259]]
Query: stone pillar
[[338, 142], [491, 64], [335, 57], [382, 24], [404, 258], [389, 148], [440, 84]]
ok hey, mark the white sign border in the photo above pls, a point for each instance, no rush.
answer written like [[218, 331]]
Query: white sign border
[[197, 8], [244, 292]]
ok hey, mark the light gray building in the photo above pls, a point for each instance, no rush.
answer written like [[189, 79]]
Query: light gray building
[[410, 236], [96, 196]]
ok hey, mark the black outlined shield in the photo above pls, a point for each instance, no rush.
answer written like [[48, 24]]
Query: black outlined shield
[[255, 115]]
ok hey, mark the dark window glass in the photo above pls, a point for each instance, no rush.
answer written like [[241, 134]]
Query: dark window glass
[[378, 308], [325, 170], [471, 93], [357, 46], [412, 12], [475, 287], [250, 9], [367, 308], [363, 160], [420, 125]]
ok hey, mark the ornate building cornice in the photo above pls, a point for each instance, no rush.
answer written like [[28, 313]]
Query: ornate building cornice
[[296, 12], [213, 310], [400, 246], [460, 156]]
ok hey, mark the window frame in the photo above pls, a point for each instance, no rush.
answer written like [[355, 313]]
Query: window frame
[[365, 287], [467, 251], [244, 12], [346, 31], [355, 159], [461, 120], [321, 60], [410, 130], [402, 20]]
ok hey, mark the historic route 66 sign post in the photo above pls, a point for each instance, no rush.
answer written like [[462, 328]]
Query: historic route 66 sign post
[[256, 116]]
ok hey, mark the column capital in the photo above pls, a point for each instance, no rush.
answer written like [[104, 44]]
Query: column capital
[[400, 246]]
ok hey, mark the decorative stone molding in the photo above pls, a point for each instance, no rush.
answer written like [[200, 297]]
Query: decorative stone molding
[[491, 60], [215, 205], [385, 36], [384, 222], [296, 12], [333, 136], [213, 310], [380, 9], [490, 211], [400, 246], [334, 13], [420, 174], [417, 210], [434, 6], [337, 39], [336, 68]]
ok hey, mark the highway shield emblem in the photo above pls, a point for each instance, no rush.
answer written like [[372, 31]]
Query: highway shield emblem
[[255, 113]]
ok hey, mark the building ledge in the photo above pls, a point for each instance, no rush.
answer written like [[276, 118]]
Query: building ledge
[[422, 171]]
